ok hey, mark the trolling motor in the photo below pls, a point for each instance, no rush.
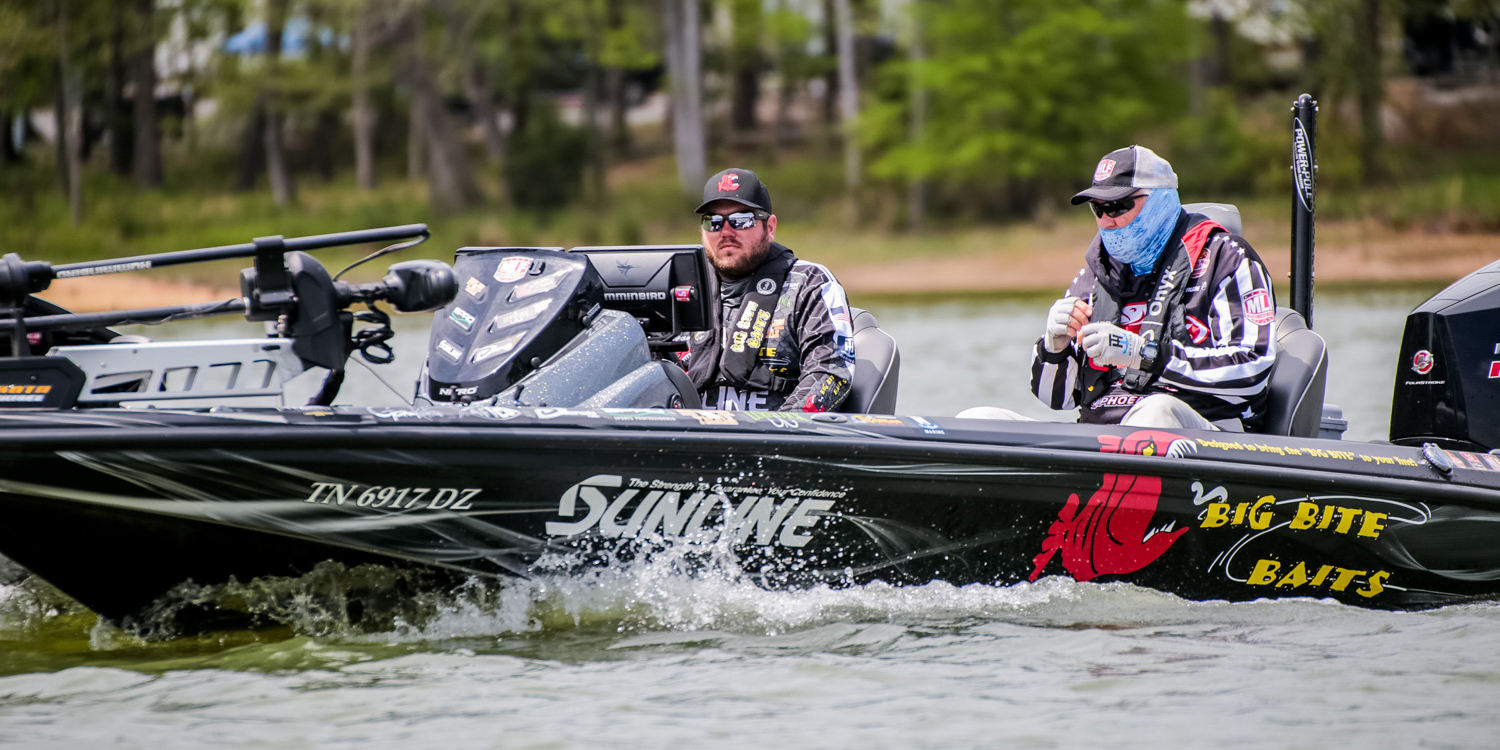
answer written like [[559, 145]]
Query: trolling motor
[[1304, 179], [286, 286]]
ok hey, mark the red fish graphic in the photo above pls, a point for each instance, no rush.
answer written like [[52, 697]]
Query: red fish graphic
[[1112, 534]]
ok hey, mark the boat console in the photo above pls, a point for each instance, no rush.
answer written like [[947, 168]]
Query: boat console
[[548, 327]]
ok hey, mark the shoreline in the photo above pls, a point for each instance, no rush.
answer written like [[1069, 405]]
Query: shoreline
[[1029, 261], [1346, 255]]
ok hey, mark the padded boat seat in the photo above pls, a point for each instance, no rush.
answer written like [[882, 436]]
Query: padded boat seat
[[1298, 378], [1227, 214], [877, 367]]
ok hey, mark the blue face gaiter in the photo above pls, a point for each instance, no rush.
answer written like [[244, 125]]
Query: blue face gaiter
[[1139, 243]]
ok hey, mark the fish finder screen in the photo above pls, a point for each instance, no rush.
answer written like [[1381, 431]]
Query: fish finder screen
[[666, 287]]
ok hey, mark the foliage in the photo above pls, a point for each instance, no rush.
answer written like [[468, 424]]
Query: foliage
[[545, 168], [1021, 97], [1218, 155], [1028, 90]]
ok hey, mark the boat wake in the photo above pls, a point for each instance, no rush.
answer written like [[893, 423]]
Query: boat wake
[[664, 600]]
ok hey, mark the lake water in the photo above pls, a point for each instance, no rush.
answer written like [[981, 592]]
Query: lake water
[[636, 657]]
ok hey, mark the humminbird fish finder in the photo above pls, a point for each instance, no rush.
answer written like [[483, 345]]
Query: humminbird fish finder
[[667, 288]]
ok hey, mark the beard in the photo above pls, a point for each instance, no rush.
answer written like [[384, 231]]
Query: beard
[[743, 264]]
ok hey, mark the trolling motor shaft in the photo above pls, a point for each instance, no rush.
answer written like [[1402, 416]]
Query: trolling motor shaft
[[1304, 178]]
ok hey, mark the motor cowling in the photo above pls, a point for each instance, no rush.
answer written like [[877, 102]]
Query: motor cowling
[[1447, 387]]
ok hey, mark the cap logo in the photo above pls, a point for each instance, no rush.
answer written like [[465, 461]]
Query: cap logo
[[1104, 170], [729, 183]]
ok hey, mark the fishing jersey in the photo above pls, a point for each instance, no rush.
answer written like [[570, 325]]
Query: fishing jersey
[[785, 346], [1217, 347]]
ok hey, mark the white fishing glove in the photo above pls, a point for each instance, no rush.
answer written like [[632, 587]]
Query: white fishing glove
[[1063, 321], [1112, 346]]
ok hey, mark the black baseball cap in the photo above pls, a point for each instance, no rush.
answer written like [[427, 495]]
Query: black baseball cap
[[738, 185], [1125, 170]]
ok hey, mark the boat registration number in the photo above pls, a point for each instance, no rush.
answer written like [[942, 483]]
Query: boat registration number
[[395, 498]]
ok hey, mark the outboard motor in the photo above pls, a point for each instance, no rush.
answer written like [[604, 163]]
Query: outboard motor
[[1448, 377], [546, 328]]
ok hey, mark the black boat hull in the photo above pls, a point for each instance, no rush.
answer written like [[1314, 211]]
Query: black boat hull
[[118, 508]]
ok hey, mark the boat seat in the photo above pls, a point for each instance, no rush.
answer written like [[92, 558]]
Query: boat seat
[[1227, 214], [877, 367], [1298, 378]]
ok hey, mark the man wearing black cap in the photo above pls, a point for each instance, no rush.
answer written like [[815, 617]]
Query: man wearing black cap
[[783, 340], [1172, 321]]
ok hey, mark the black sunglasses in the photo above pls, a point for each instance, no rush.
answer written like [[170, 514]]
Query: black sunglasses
[[741, 220], [1114, 209]]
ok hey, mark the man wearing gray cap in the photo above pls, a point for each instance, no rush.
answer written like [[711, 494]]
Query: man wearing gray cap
[[1172, 321], [782, 338]]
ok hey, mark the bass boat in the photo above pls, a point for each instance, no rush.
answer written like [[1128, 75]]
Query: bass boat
[[551, 432]]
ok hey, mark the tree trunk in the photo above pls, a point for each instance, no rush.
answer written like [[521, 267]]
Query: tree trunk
[[252, 147], [848, 93], [916, 188], [9, 154], [685, 59], [416, 142], [147, 172], [598, 166], [450, 182], [830, 76], [283, 191], [520, 27], [362, 109], [614, 89], [1222, 72], [121, 137], [745, 63], [60, 114], [325, 133], [482, 98], [416, 130], [69, 119], [460, 33], [615, 98], [1370, 90]]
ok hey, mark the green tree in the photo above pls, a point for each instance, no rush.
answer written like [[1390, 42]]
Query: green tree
[[1348, 39], [1023, 94], [25, 56]]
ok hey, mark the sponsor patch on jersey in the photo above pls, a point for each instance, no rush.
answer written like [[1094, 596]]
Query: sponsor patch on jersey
[[1196, 330], [474, 287], [1132, 316], [1494, 370], [1201, 267], [512, 268], [1258, 307], [1116, 399]]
